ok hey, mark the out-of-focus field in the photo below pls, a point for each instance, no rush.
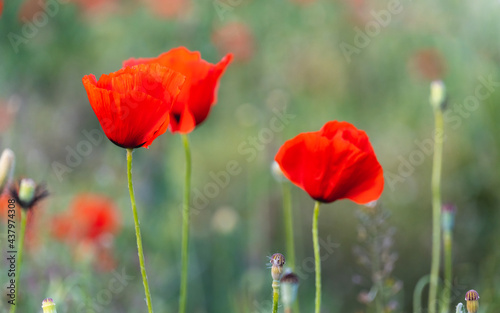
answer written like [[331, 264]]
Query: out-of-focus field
[[302, 63]]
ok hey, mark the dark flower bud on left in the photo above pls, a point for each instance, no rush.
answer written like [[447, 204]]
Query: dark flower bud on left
[[27, 193], [7, 162]]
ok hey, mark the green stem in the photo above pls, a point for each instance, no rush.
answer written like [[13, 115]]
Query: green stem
[[317, 259], [288, 216], [417, 293], [24, 219], [276, 295], [185, 228], [140, 252], [436, 208], [447, 243]]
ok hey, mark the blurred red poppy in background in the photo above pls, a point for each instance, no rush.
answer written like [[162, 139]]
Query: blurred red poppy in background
[[428, 64], [199, 92], [89, 226], [1, 7], [133, 104], [236, 38], [336, 162], [168, 8]]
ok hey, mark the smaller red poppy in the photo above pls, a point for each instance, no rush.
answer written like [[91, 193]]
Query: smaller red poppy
[[199, 92], [133, 104], [236, 38], [1, 7], [336, 162], [89, 218]]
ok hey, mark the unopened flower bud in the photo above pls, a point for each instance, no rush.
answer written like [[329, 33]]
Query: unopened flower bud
[[289, 287], [448, 213], [438, 95], [27, 190], [277, 172], [49, 306], [472, 298], [277, 261], [7, 162]]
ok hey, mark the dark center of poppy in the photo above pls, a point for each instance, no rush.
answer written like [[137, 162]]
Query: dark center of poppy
[[177, 117]]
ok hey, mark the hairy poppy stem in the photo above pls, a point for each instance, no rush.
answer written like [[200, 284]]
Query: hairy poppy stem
[[276, 295], [140, 252], [20, 246], [288, 216], [185, 228], [317, 258], [436, 208], [290, 243], [447, 243]]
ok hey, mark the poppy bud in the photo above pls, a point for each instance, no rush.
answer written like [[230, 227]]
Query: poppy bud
[[277, 261], [7, 162], [289, 287], [277, 172], [460, 308], [472, 298], [448, 213], [438, 95], [49, 306], [27, 190]]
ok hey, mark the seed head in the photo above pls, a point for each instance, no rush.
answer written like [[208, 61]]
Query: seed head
[[27, 193]]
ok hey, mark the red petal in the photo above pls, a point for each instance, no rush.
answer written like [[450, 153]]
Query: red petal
[[334, 163], [133, 104], [200, 88]]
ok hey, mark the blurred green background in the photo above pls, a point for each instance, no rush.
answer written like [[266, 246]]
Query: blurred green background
[[290, 56]]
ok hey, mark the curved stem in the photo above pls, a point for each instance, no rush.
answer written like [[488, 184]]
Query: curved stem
[[417, 293], [140, 252], [185, 228], [436, 208], [276, 295], [447, 243], [317, 258], [288, 216], [24, 219]]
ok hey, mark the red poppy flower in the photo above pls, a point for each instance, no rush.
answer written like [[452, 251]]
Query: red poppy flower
[[1, 7], [169, 8], [336, 162], [199, 92], [236, 38], [133, 104], [89, 218]]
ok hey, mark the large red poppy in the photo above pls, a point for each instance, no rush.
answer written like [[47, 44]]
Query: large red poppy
[[133, 104], [336, 162], [199, 92], [1, 7]]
